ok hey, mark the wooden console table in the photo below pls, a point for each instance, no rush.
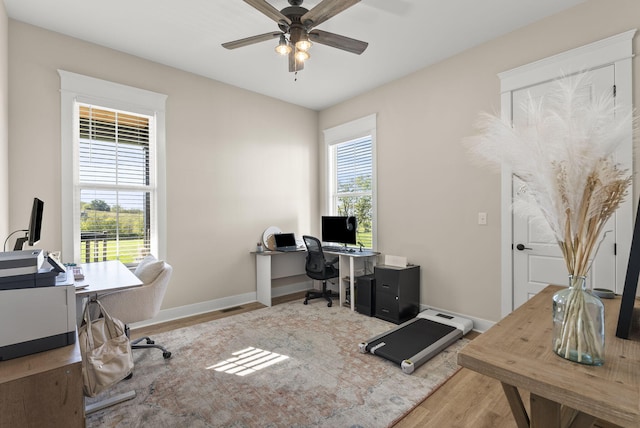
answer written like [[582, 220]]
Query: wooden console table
[[517, 352], [43, 389]]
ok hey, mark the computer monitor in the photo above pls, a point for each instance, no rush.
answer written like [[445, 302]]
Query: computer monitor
[[339, 229], [35, 226]]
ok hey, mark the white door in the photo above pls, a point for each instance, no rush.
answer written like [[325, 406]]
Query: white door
[[537, 260]]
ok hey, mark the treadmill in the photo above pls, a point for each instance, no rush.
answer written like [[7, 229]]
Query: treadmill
[[416, 341]]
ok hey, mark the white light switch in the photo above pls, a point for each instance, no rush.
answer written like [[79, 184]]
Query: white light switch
[[482, 218]]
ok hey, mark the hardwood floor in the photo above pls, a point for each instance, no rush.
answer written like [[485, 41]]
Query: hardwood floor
[[466, 400]]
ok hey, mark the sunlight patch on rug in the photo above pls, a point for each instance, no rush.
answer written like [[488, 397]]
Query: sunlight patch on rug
[[248, 361]]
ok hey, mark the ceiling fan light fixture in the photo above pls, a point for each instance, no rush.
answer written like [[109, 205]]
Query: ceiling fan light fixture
[[283, 47], [302, 56], [303, 44]]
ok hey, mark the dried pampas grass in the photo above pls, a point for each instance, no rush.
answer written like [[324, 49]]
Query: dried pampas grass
[[564, 158]]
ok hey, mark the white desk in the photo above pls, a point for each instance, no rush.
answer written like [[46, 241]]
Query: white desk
[[105, 277], [277, 264], [272, 265], [101, 278], [350, 259]]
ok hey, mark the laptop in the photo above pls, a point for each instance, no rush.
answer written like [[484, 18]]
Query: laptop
[[285, 242]]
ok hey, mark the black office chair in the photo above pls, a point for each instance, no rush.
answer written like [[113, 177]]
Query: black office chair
[[319, 268]]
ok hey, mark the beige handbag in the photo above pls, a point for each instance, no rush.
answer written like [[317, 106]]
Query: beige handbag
[[106, 350]]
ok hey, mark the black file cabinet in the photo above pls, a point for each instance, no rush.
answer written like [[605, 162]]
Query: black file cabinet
[[397, 293]]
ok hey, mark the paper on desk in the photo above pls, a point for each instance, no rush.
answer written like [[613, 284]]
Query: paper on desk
[[396, 261]]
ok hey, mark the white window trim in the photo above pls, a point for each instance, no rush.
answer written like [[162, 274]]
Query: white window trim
[[347, 132], [79, 88]]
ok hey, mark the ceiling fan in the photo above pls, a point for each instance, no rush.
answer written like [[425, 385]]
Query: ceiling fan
[[296, 34]]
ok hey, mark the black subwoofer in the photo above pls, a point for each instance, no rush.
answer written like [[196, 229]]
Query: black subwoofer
[[365, 294]]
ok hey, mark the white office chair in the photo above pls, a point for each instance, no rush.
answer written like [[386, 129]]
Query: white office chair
[[141, 303]]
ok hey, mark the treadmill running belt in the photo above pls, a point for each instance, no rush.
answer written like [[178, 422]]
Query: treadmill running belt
[[409, 340]]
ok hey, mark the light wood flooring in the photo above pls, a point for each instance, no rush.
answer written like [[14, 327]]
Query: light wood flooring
[[466, 400]]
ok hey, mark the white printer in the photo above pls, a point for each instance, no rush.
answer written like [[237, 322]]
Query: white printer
[[35, 314]]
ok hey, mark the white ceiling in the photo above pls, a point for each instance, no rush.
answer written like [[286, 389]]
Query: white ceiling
[[404, 36]]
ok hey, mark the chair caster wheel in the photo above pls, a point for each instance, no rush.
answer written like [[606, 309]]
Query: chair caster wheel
[[305, 302], [329, 304], [166, 355], [150, 342]]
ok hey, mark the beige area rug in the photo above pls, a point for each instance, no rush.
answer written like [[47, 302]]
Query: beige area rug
[[312, 374]]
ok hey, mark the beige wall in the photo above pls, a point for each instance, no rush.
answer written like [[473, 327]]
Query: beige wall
[[223, 144], [429, 193], [4, 121]]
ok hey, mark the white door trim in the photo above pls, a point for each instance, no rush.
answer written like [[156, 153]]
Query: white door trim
[[616, 50]]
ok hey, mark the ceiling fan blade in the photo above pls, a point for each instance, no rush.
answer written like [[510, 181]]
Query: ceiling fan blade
[[251, 40], [294, 64], [268, 10], [337, 41], [324, 10]]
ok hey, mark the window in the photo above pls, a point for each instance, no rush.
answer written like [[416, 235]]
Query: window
[[113, 199], [351, 176], [115, 184]]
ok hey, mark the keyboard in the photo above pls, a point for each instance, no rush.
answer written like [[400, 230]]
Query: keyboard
[[335, 249]]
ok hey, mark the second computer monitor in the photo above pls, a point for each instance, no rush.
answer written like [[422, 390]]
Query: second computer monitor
[[339, 229]]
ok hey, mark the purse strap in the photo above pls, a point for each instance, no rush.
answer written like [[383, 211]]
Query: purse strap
[[86, 321], [109, 321]]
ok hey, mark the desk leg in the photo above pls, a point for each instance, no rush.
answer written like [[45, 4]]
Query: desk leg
[[352, 281], [581, 420], [120, 398], [263, 279], [517, 407], [341, 286], [545, 413], [80, 302]]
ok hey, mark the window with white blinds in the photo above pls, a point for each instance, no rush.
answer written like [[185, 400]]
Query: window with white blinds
[[352, 185], [115, 184]]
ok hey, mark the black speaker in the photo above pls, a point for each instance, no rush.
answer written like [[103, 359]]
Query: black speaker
[[366, 294]]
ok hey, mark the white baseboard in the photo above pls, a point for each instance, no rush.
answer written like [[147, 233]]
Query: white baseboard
[[172, 314]]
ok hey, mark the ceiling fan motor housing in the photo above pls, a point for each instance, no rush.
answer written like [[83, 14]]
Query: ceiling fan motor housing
[[296, 30]]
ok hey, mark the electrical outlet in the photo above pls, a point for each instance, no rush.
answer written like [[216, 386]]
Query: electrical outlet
[[482, 218]]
